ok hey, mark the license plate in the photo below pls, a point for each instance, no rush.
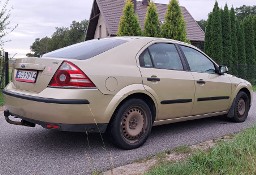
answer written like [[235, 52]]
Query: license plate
[[28, 76]]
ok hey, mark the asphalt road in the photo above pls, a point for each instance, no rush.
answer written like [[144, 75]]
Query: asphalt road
[[39, 151]]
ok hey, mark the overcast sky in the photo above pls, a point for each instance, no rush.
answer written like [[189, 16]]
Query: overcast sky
[[38, 18]]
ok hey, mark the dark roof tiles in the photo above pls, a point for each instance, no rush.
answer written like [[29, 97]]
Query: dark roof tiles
[[112, 10]]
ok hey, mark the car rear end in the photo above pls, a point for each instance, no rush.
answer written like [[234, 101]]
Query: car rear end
[[55, 92]]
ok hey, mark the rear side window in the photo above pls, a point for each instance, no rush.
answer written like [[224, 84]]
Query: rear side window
[[161, 56], [87, 49], [145, 59]]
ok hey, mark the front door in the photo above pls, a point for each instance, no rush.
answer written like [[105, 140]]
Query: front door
[[164, 76], [213, 91]]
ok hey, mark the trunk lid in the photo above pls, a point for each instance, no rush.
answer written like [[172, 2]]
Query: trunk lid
[[44, 68]]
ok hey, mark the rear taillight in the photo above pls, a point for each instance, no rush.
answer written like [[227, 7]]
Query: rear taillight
[[69, 75]]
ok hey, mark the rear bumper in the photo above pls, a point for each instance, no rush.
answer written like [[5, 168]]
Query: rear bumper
[[60, 106], [45, 100], [58, 126]]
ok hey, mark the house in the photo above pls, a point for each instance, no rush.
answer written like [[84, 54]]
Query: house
[[105, 17]]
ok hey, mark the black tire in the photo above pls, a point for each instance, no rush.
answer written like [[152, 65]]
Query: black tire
[[131, 124], [241, 107]]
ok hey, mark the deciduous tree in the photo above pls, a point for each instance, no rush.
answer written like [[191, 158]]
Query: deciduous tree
[[62, 37], [5, 22], [244, 11]]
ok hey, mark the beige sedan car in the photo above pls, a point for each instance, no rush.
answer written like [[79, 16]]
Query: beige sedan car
[[123, 85]]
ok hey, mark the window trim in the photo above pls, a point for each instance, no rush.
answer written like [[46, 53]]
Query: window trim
[[183, 61], [187, 64]]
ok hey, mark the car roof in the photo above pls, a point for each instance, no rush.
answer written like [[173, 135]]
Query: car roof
[[132, 38]]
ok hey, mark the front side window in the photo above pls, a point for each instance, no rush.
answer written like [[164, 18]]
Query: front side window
[[161, 56], [197, 61]]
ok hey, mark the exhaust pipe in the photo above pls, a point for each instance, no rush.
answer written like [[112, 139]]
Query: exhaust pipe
[[7, 114]]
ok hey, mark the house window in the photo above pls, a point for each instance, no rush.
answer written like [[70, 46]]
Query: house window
[[100, 31]]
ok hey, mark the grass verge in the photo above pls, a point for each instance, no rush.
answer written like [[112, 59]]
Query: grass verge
[[254, 88], [234, 157], [1, 98]]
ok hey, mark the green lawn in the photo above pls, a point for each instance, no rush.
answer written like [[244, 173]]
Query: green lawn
[[234, 157], [1, 99], [254, 88]]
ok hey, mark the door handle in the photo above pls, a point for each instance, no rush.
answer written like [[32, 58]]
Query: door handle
[[201, 81], [153, 79]]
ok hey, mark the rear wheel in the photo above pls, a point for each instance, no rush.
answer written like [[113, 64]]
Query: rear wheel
[[241, 107], [131, 124]]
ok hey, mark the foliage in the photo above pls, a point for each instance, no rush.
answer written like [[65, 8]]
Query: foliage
[[231, 157], [152, 23], [226, 37], [174, 26], [234, 40], [208, 36], [244, 11], [241, 50], [249, 38], [62, 37], [216, 34], [5, 21], [254, 28], [129, 23], [40, 47], [202, 23]]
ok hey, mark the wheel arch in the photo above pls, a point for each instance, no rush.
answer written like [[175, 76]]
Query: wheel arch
[[138, 92], [240, 88], [245, 90]]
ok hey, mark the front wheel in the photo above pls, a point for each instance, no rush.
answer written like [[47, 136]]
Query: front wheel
[[241, 107], [131, 124]]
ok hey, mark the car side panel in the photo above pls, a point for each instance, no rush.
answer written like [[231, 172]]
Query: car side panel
[[214, 95], [115, 69]]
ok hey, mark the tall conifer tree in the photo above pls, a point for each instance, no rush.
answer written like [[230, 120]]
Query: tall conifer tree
[[249, 38], [216, 34], [208, 36], [152, 23], [241, 50], [254, 28], [226, 37], [129, 23], [234, 40], [174, 26]]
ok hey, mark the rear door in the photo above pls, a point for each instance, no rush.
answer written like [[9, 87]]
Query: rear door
[[213, 91], [165, 77]]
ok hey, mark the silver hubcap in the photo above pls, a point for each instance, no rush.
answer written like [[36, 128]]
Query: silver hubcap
[[241, 107], [133, 124]]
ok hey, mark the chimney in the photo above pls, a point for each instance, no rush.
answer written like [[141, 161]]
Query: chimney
[[145, 2], [135, 5]]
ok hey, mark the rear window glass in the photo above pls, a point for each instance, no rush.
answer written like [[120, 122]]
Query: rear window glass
[[87, 49]]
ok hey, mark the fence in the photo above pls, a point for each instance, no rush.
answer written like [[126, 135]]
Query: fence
[[4, 69]]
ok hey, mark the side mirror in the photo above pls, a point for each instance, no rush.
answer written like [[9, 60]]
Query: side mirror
[[223, 70]]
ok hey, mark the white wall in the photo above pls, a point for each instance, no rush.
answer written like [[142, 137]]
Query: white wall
[[104, 32]]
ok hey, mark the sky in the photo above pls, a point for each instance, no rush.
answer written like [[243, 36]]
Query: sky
[[39, 18]]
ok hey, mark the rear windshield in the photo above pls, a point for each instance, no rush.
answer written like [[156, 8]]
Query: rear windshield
[[87, 49]]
